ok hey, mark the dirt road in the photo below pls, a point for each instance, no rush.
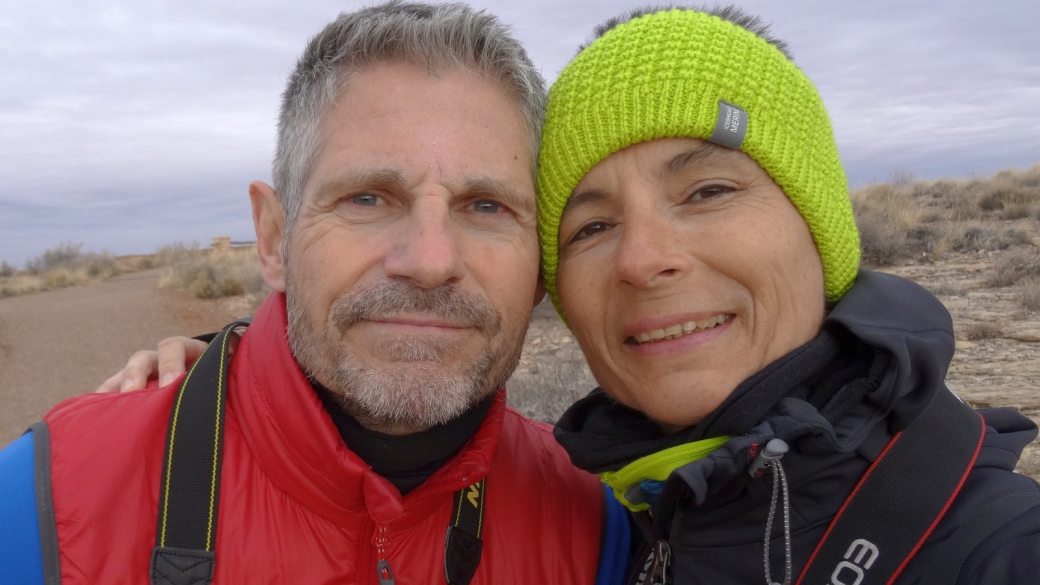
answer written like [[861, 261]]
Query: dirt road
[[62, 343]]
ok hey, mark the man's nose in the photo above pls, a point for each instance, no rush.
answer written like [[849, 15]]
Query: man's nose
[[649, 253], [427, 252]]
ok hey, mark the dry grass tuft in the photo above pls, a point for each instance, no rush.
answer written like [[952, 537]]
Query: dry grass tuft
[[949, 290], [1013, 269], [923, 220], [983, 330], [884, 215], [1028, 294], [213, 274], [63, 266], [1004, 196]]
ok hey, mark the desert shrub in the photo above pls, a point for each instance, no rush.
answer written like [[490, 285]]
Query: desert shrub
[[1028, 294], [880, 244], [6, 270], [173, 254], [939, 189], [1016, 212], [1014, 268], [948, 290], [66, 265], [1014, 237], [64, 255], [963, 207], [983, 330], [884, 214], [20, 284], [1005, 195], [927, 240], [974, 239], [58, 278], [1029, 177], [211, 274], [209, 285]]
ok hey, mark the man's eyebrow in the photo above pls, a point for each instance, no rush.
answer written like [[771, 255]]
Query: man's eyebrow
[[361, 179], [497, 189], [698, 155]]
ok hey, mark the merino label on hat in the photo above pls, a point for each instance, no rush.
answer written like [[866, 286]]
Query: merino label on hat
[[731, 127]]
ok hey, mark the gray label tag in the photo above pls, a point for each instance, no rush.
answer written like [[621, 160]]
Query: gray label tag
[[731, 127]]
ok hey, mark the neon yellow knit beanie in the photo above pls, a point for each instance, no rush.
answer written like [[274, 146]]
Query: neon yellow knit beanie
[[682, 73]]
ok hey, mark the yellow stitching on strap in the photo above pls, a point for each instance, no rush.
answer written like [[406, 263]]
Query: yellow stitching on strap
[[216, 440], [169, 460], [458, 505], [483, 496]]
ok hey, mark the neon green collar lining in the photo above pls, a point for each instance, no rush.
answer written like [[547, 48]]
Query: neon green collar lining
[[658, 467]]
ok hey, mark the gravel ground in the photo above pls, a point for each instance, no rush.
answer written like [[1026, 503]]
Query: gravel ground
[[63, 343]]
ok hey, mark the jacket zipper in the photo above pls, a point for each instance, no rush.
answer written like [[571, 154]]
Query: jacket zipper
[[383, 571]]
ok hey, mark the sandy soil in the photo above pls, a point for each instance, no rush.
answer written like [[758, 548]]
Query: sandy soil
[[63, 343]]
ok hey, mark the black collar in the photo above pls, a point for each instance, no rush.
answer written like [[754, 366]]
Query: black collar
[[405, 460]]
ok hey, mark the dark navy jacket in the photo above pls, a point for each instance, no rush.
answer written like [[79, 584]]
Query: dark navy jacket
[[722, 532]]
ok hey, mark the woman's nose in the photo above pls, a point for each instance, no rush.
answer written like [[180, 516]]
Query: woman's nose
[[648, 252]]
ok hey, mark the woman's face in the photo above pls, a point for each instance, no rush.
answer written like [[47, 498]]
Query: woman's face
[[683, 270]]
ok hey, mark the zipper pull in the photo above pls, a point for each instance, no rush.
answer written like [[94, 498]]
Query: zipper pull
[[386, 576], [383, 571], [662, 563]]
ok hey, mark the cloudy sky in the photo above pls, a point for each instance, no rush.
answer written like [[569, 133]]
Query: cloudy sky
[[128, 124]]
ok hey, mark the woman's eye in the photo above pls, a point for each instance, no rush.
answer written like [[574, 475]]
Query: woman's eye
[[709, 192], [366, 199], [590, 229], [485, 206]]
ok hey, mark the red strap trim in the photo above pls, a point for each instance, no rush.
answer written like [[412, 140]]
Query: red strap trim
[[978, 447], [841, 510]]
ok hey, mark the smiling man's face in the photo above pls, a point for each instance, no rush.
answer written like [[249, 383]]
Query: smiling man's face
[[412, 267]]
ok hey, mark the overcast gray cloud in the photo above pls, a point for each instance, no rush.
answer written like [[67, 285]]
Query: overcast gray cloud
[[129, 124]]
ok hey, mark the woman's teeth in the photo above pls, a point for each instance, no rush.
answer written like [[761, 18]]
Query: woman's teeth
[[677, 331]]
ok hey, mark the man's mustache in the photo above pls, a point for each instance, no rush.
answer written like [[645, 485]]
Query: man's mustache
[[393, 298]]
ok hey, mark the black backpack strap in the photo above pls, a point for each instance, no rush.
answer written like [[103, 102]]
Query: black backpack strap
[[901, 498], [462, 543], [990, 518], [190, 490]]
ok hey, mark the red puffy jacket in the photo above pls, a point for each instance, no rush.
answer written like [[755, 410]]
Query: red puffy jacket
[[297, 506]]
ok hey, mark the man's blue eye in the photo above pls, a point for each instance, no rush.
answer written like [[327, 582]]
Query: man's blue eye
[[365, 199], [487, 207]]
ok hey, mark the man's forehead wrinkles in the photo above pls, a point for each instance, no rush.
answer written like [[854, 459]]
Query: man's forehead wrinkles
[[361, 178]]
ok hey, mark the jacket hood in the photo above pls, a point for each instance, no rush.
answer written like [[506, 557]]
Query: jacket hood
[[906, 337]]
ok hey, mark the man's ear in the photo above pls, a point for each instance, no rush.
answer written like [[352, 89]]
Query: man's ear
[[539, 291], [269, 221]]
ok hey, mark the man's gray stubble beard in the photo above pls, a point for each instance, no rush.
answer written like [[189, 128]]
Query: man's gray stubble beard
[[412, 392]]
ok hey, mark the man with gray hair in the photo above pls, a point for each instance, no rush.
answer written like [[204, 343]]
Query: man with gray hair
[[360, 433]]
